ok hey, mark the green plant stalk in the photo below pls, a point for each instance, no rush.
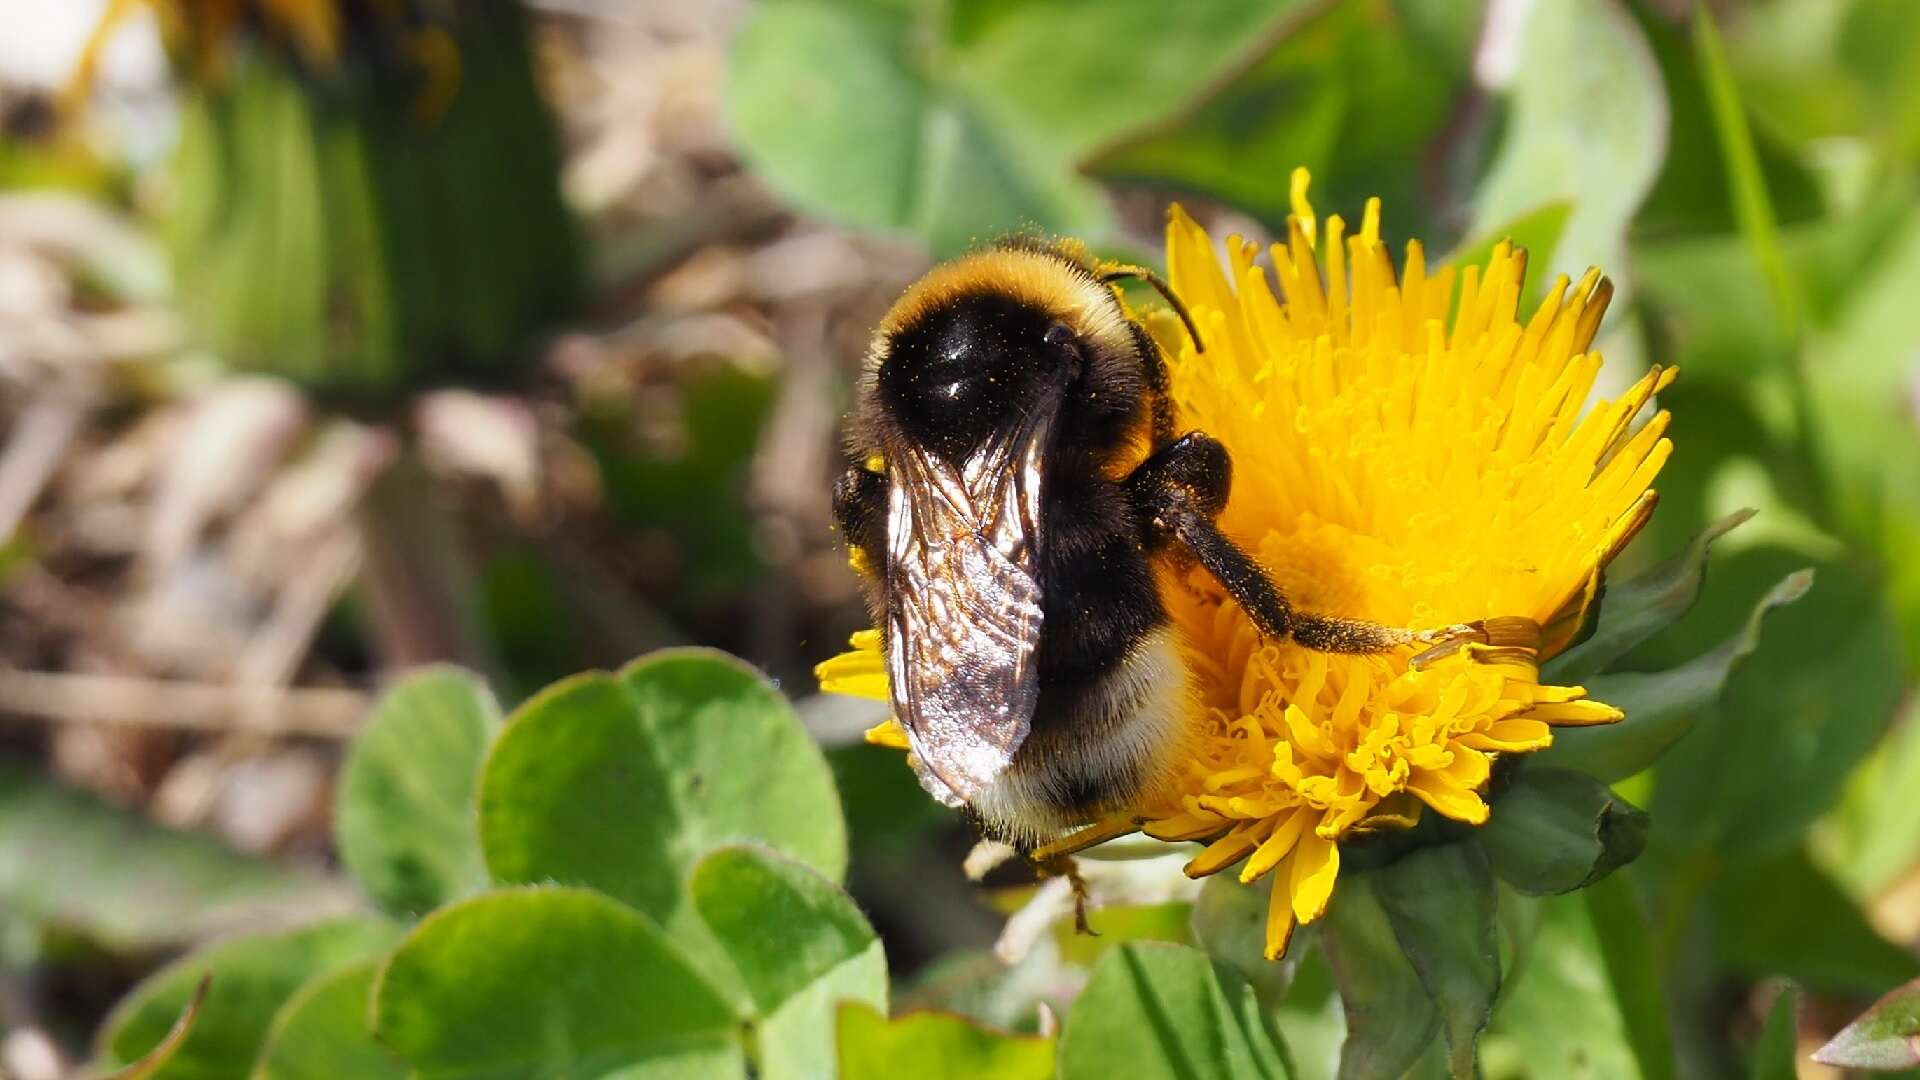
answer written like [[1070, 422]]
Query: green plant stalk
[[354, 233], [1752, 205]]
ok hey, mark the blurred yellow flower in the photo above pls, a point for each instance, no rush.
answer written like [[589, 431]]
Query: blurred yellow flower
[[202, 28], [1406, 451]]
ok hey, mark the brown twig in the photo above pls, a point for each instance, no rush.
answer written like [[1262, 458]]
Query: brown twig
[[32, 455], [133, 701]]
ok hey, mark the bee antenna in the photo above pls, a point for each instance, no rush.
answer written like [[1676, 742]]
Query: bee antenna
[[1141, 273]]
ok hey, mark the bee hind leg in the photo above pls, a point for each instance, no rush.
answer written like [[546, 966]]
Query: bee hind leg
[[1064, 866], [1182, 488]]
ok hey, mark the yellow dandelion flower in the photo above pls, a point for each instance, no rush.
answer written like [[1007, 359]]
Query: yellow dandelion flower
[[1407, 450]]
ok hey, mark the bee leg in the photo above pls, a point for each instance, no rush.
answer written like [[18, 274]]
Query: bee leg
[[1065, 866], [1182, 488], [1177, 492], [860, 509]]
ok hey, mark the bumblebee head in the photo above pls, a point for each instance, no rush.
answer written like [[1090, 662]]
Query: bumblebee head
[[983, 341]]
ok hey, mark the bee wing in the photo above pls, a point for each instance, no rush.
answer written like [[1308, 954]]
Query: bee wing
[[963, 609]]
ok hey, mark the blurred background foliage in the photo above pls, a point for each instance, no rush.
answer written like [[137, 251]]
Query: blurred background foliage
[[318, 363]]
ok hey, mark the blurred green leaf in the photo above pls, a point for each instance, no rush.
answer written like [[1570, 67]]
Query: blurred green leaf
[[1390, 1016], [1814, 69], [1588, 124], [325, 1032], [1692, 193], [252, 977], [531, 628], [1626, 949], [327, 232], [16, 554], [1154, 1009], [1873, 836], [549, 981], [963, 121], [1634, 610], [153, 1060], [979, 985], [1563, 1008], [1886, 1036], [1806, 929], [799, 946], [1864, 423], [1773, 752], [1312, 1018], [1747, 186], [1352, 91], [1083, 74], [838, 106], [1555, 830], [1117, 924], [1704, 292], [1230, 922], [692, 483], [71, 861], [1441, 903], [935, 1046], [687, 749], [404, 817], [888, 813], [1775, 1055], [1537, 232], [1662, 706]]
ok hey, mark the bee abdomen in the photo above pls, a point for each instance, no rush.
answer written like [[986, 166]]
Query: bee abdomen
[[1094, 747]]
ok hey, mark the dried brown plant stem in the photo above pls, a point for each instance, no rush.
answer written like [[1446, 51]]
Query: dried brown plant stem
[[134, 701]]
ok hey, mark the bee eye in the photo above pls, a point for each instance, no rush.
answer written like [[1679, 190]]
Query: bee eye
[[1059, 335]]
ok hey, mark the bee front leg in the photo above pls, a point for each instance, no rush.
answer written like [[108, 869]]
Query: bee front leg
[[1178, 493]]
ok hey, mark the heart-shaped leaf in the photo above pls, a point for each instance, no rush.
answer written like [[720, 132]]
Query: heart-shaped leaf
[[549, 981], [798, 946], [151, 1062], [622, 783], [404, 818], [252, 977], [325, 1031]]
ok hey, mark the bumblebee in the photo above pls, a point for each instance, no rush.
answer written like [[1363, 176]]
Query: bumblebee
[[1018, 486]]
